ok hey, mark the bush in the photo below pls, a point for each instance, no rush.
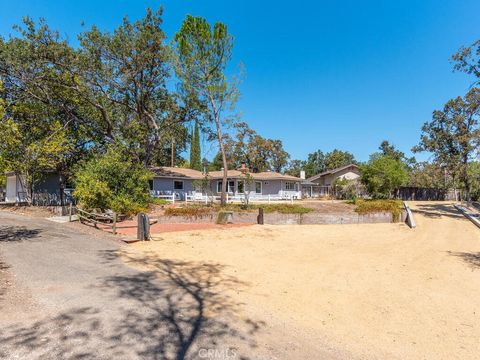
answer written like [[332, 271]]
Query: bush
[[371, 206], [157, 201], [383, 174], [112, 181]]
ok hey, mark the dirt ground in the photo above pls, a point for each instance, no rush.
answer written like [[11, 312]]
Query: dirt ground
[[371, 291]]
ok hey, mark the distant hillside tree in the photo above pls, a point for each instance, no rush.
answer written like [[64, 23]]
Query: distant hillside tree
[[453, 136], [338, 158], [294, 167], [315, 163]]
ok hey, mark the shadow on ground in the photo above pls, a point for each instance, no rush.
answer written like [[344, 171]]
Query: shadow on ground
[[17, 233], [472, 259], [171, 311], [438, 210]]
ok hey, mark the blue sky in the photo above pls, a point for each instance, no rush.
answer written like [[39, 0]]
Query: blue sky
[[318, 74]]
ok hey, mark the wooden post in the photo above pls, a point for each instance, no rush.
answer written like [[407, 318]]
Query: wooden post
[[260, 216], [70, 213], [114, 226]]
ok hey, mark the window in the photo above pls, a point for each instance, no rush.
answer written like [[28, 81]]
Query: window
[[150, 184], [240, 187], [177, 185], [290, 185], [258, 187], [230, 187]]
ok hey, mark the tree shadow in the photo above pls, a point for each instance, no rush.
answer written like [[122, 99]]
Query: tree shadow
[[438, 210], [472, 259], [172, 310], [183, 306], [17, 233]]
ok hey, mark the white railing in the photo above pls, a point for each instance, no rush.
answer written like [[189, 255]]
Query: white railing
[[231, 198]]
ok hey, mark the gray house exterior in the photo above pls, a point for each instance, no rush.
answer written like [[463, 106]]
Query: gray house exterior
[[172, 181], [48, 190], [188, 184], [322, 184]]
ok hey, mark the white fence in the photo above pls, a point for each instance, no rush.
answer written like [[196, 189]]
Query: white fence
[[238, 198]]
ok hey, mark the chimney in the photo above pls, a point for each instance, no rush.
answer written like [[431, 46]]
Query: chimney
[[302, 174]]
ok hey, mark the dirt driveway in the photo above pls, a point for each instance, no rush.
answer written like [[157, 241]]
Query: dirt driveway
[[371, 291], [67, 295]]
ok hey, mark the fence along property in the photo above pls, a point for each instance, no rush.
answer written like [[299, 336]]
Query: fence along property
[[111, 221], [202, 198]]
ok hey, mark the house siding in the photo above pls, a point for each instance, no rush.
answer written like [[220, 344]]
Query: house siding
[[327, 180], [269, 187]]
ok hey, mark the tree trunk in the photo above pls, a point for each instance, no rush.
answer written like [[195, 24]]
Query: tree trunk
[[466, 180], [223, 197], [172, 154]]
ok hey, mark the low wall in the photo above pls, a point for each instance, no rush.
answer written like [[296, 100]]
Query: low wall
[[291, 219]]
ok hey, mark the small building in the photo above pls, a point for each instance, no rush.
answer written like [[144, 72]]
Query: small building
[[50, 189], [322, 184], [192, 184]]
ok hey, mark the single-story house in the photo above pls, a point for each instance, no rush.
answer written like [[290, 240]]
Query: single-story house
[[188, 183], [50, 189], [321, 184]]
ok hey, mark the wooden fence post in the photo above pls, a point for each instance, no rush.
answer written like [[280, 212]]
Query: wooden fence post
[[70, 213], [114, 226], [260, 216]]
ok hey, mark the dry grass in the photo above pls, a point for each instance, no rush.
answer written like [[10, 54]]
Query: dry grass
[[373, 206], [203, 210]]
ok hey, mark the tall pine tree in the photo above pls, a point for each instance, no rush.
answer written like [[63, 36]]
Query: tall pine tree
[[195, 155]]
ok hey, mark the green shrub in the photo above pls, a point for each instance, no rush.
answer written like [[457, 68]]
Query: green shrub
[[372, 206], [158, 201], [112, 181], [383, 174]]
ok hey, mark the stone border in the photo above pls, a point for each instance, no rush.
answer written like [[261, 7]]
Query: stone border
[[291, 219]]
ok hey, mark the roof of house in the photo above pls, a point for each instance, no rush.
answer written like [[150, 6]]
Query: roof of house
[[173, 172], [333, 171], [265, 175]]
